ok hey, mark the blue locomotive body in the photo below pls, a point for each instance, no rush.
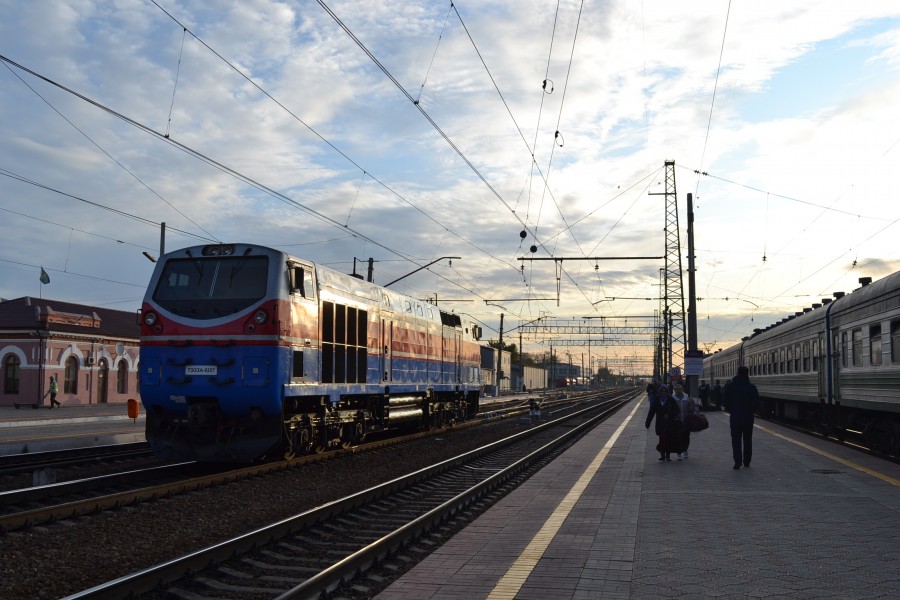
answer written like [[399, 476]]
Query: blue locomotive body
[[248, 352]]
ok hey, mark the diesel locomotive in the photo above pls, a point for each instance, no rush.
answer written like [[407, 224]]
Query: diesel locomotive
[[249, 353]]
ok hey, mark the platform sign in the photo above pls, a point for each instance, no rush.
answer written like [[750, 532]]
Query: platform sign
[[693, 363]]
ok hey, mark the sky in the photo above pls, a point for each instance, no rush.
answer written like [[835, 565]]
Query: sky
[[411, 131]]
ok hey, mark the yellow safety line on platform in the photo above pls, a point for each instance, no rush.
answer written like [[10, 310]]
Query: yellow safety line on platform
[[843, 461], [511, 583]]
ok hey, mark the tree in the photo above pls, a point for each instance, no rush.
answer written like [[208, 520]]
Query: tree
[[511, 348]]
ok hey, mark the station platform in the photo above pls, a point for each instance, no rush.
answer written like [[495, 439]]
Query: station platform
[[607, 520], [73, 426]]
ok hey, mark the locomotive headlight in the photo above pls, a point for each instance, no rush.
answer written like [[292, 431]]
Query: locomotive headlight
[[260, 317], [150, 318]]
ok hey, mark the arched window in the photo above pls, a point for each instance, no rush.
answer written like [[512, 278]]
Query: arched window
[[11, 374], [71, 383], [122, 377]]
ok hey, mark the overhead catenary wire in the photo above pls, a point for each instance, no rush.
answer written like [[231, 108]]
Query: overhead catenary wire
[[103, 150]]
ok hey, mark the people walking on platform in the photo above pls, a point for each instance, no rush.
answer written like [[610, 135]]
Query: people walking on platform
[[667, 413], [715, 394], [686, 406], [651, 392], [703, 392], [53, 390], [741, 400]]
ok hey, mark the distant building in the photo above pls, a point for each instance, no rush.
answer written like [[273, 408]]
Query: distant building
[[93, 352]]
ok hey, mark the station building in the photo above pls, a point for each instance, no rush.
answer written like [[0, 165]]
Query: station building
[[92, 351]]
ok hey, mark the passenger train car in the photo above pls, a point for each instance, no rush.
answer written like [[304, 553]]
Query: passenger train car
[[247, 352], [834, 365]]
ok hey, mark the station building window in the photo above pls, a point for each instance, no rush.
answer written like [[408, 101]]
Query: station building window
[[11, 374], [70, 385], [122, 377], [875, 345], [857, 347]]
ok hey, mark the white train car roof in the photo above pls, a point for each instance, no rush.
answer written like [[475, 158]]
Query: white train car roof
[[869, 292]]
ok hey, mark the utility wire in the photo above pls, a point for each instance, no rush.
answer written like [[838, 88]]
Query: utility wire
[[101, 149]]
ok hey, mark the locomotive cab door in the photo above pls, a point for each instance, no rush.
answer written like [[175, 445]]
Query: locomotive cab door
[[387, 343]]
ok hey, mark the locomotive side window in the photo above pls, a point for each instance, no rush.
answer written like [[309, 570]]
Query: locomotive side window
[[875, 345], [302, 281], [344, 339], [895, 342], [857, 347], [297, 367]]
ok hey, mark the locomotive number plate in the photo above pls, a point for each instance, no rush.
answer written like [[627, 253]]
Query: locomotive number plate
[[201, 370]]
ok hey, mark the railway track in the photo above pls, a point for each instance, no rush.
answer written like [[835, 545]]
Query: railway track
[[13, 464], [317, 551], [26, 507]]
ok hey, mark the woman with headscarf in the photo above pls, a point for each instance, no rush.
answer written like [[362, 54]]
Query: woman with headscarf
[[685, 407], [667, 413]]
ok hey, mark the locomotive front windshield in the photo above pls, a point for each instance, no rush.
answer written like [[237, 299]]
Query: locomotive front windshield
[[211, 287]]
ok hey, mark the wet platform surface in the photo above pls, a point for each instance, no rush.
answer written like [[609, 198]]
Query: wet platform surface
[[808, 519]]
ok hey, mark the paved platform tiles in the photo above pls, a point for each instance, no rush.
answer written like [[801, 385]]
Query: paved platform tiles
[[808, 519]]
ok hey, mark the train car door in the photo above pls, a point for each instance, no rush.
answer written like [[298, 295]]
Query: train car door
[[450, 359], [387, 339], [457, 359], [836, 357], [819, 358]]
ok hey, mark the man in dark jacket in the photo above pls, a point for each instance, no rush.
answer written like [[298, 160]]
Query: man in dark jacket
[[741, 400]]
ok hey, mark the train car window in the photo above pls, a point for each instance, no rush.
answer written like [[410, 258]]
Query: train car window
[[806, 357], [895, 342], [790, 360], [875, 345], [781, 361], [844, 353], [815, 355], [857, 348], [797, 358]]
